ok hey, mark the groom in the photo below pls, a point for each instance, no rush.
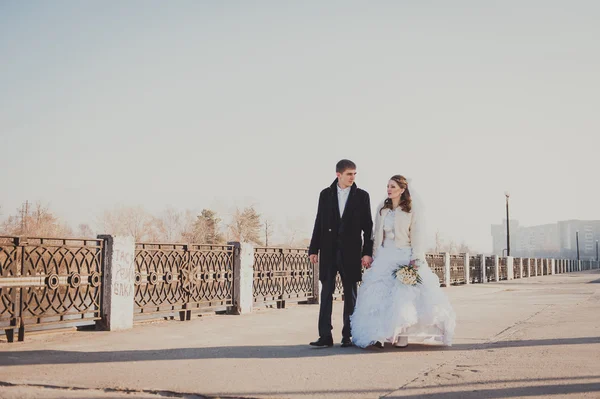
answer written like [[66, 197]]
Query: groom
[[344, 213]]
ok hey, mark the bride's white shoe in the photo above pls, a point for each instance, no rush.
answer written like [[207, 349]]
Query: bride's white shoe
[[402, 342]]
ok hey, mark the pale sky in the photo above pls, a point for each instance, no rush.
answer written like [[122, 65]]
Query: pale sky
[[196, 104]]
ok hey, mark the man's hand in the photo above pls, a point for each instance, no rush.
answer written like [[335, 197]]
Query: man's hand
[[314, 259], [366, 261], [415, 263]]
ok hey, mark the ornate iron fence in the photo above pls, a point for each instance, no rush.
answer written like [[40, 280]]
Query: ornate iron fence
[[490, 268], [180, 279], [517, 267], [282, 274], [437, 265], [503, 268], [338, 294], [457, 269], [544, 267], [475, 271], [526, 263], [589, 265], [49, 283]]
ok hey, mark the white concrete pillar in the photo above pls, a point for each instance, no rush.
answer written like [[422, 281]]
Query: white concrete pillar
[[243, 279], [483, 271], [552, 266], [510, 272], [447, 269], [497, 267], [118, 282], [467, 269]]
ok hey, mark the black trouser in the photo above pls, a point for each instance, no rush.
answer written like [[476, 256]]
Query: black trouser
[[350, 290]]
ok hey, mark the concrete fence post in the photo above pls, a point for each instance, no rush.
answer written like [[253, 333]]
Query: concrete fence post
[[497, 267], [447, 269], [118, 285], [483, 271], [243, 278], [467, 268], [510, 271]]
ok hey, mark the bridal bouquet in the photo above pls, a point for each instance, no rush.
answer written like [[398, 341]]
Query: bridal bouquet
[[408, 274]]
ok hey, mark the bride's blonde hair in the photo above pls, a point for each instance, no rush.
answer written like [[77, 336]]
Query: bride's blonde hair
[[405, 198]]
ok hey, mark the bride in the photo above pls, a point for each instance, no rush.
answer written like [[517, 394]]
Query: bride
[[387, 310]]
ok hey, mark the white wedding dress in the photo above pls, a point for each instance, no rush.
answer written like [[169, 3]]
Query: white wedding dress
[[387, 310]]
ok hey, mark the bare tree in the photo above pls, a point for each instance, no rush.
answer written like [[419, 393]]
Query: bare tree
[[206, 228], [464, 248], [188, 219], [35, 220], [269, 228], [451, 247], [246, 226], [84, 230], [133, 221], [438, 241], [293, 234], [169, 225]]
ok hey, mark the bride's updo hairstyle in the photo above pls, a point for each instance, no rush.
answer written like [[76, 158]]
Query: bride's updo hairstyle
[[405, 199]]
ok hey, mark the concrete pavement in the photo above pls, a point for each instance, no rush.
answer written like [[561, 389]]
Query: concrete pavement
[[535, 337]]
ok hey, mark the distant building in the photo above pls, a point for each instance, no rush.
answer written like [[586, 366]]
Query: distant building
[[548, 240]]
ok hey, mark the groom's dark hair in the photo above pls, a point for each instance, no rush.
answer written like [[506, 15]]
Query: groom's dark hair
[[344, 165]]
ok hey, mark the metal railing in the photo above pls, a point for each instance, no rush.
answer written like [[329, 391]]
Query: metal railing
[[282, 274], [437, 265], [490, 268], [57, 282], [182, 279], [457, 269], [49, 283]]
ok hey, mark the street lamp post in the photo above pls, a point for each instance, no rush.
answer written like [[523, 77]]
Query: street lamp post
[[597, 251], [507, 226], [577, 242]]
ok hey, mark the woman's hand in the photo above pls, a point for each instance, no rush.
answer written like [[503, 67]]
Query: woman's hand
[[414, 263]]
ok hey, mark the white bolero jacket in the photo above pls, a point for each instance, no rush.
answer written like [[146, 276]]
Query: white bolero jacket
[[407, 229]]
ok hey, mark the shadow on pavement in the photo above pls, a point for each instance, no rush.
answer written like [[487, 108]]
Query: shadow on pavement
[[14, 358]]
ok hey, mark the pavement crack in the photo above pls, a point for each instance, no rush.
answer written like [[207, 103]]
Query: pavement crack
[[502, 334], [466, 354]]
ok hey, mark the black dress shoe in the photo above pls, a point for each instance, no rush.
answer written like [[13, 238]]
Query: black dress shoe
[[346, 343], [378, 345], [327, 341]]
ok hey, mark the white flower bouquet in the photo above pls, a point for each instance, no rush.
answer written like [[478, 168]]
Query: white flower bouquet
[[408, 274]]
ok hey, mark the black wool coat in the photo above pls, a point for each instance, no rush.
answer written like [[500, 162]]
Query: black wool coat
[[352, 233]]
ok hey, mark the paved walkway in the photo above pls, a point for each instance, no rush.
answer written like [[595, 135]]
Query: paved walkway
[[535, 337]]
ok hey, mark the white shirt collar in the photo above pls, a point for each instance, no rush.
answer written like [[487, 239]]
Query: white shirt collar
[[343, 190]]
